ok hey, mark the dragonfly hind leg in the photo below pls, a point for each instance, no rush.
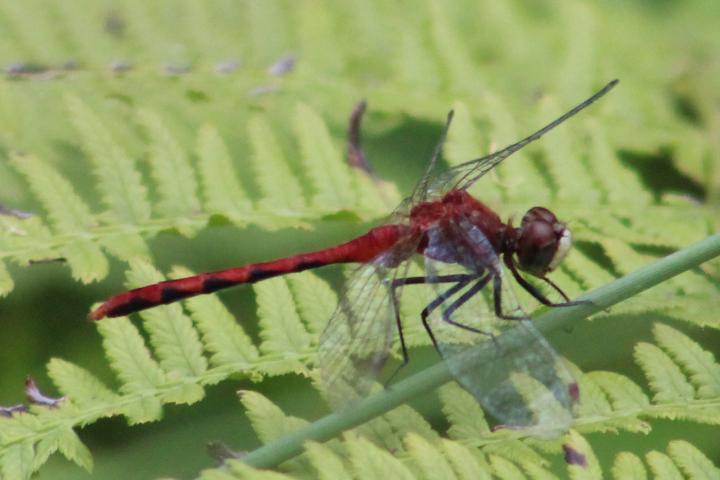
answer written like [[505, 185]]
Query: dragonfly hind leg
[[461, 301], [461, 281]]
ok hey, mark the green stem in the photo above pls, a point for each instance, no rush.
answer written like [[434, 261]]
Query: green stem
[[331, 425]]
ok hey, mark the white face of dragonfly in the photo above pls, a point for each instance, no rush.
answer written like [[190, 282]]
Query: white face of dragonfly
[[563, 248]]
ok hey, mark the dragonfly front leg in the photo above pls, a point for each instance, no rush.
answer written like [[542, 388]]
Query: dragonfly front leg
[[528, 287]]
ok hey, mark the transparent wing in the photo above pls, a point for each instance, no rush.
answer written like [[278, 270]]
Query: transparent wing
[[464, 175], [506, 364], [356, 342]]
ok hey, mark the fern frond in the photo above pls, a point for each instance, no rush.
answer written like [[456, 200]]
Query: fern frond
[[609, 401], [438, 375], [114, 160], [132, 216], [357, 456]]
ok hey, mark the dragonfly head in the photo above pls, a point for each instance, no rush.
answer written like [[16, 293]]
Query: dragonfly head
[[542, 242]]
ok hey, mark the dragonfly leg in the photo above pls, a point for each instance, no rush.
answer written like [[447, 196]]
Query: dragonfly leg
[[568, 302], [442, 298], [461, 301], [532, 290], [497, 294], [462, 281]]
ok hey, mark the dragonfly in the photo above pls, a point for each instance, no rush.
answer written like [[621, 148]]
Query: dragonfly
[[471, 258]]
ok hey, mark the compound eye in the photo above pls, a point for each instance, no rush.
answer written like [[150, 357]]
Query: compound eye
[[539, 214], [536, 246]]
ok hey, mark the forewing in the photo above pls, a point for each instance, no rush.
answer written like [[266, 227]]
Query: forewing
[[506, 364], [356, 342], [464, 175]]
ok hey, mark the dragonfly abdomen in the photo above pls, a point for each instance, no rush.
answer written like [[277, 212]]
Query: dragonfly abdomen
[[361, 249]]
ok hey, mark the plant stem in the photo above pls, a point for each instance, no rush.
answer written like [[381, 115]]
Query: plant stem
[[331, 425]]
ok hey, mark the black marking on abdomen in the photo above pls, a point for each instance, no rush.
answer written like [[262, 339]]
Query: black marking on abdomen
[[309, 264], [257, 275], [213, 284], [134, 305], [170, 294]]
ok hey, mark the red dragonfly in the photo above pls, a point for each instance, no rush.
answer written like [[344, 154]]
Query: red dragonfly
[[465, 247]]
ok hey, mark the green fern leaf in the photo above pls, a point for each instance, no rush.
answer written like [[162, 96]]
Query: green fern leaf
[[282, 329], [281, 191], [73, 449], [557, 149], [405, 420], [617, 184], [428, 458], [462, 140], [172, 335], [691, 461], [380, 432], [48, 445], [174, 177], [666, 378], [537, 472], [628, 465], [593, 401], [119, 181], [327, 464], [268, 421], [27, 240], [69, 215], [221, 334], [663, 467], [467, 420], [583, 463], [17, 461], [131, 360], [314, 299], [704, 370], [458, 71], [328, 173], [505, 469], [465, 462], [77, 384], [222, 191], [369, 461], [624, 396]]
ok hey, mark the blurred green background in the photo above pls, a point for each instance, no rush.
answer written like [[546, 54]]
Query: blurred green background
[[201, 62]]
